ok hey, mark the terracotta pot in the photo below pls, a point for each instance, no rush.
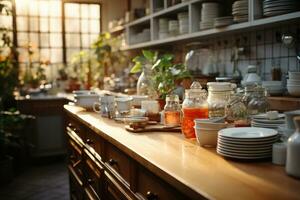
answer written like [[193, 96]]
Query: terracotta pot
[[162, 103]]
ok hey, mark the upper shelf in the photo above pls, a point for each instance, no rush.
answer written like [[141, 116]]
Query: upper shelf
[[194, 33]]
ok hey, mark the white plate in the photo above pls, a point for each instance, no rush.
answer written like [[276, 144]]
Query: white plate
[[247, 133], [265, 124], [264, 116], [245, 147], [245, 152], [242, 157], [248, 141], [269, 121]]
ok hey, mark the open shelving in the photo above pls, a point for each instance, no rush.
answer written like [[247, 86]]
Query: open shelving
[[193, 7]]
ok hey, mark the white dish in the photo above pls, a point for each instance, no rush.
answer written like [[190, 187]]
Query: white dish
[[269, 121], [248, 141], [294, 90], [293, 82], [247, 133], [245, 147], [242, 157], [245, 152], [264, 116]]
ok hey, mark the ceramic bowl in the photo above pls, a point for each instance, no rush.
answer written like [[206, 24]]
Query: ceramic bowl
[[210, 125], [86, 100], [206, 137], [294, 90], [293, 82], [294, 75]]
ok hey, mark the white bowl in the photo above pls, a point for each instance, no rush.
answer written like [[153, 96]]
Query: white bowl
[[210, 125], [293, 82], [206, 137], [86, 100], [294, 75], [294, 90]]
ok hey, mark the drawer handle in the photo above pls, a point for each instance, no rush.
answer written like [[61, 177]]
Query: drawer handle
[[151, 196], [112, 162], [72, 157], [70, 125], [76, 164], [89, 142], [90, 181]]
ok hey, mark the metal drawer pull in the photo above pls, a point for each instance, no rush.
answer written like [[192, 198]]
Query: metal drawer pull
[[77, 163], [151, 196], [89, 142], [90, 181], [112, 162]]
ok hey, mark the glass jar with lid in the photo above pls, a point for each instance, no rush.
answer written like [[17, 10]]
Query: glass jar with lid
[[172, 111], [145, 83], [194, 106], [236, 111], [255, 98], [218, 96]]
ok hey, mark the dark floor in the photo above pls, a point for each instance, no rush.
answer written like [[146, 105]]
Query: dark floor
[[39, 182]]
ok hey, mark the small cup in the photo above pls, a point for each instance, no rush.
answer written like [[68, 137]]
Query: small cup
[[279, 153], [106, 106], [123, 104]]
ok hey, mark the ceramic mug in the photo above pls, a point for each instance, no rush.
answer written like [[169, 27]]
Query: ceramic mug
[[123, 104], [106, 106]]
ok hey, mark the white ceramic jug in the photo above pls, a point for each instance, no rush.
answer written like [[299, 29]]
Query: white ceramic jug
[[293, 151]]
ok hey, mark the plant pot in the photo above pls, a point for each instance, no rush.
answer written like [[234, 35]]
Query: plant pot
[[6, 170], [162, 103]]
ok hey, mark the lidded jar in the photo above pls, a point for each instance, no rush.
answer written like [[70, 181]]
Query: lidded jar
[[194, 106], [255, 98], [218, 96], [172, 111]]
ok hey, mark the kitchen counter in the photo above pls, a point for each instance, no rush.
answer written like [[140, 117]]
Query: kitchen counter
[[193, 170]]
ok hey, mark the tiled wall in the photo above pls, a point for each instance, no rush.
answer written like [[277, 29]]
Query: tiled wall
[[264, 46]]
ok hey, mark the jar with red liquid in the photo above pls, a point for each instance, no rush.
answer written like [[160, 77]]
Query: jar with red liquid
[[194, 106], [172, 111]]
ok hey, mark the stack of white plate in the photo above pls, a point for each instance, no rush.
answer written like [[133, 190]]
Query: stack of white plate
[[246, 143], [279, 7], [163, 28], [183, 19], [293, 84], [240, 11], [209, 12], [223, 21], [273, 87], [262, 121]]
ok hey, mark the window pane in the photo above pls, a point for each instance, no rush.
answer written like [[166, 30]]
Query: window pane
[[94, 26], [44, 54], [23, 55], [34, 39], [72, 25], [93, 37], [55, 24], [22, 23], [85, 11], [44, 25], [85, 26], [55, 40], [71, 53], [72, 40], [21, 7], [56, 55], [22, 39], [85, 40], [44, 8], [94, 11], [44, 40], [33, 7], [71, 10], [6, 21], [34, 24], [55, 8]]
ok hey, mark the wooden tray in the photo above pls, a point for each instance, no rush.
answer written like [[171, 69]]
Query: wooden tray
[[153, 128]]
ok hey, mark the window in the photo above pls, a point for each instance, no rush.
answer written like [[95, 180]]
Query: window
[[46, 33]]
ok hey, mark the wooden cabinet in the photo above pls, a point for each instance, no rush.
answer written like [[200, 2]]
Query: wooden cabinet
[[100, 170]]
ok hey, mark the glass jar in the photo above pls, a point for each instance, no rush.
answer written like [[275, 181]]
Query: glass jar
[[255, 98], [172, 111], [236, 111], [144, 84], [194, 106], [218, 97]]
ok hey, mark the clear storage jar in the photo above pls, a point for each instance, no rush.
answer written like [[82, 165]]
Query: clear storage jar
[[172, 111]]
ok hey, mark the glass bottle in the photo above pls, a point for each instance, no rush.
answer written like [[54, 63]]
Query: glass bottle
[[172, 111], [255, 98], [218, 97], [236, 111], [144, 84], [194, 107]]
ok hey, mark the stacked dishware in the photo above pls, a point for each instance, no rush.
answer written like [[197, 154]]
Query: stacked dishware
[[223, 21], [246, 143], [163, 28], [279, 7], [293, 84], [183, 19], [141, 36], [173, 27], [209, 12], [207, 130], [273, 87], [240, 11], [263, 121]]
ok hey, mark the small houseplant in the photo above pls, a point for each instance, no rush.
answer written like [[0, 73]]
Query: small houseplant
[[165, 74]]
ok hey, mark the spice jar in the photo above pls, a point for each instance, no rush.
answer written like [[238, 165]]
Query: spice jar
[[172, 111], [255, 98], [194, 106], [218, 96]]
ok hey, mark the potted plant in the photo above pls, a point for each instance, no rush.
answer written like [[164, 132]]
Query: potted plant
[[165, 76]]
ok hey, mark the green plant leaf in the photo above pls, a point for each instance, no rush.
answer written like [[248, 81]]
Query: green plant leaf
[[156, 64], [136, 68], [150, 55], [168, 57]]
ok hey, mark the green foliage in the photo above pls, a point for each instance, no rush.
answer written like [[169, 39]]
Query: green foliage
[[165, 72]]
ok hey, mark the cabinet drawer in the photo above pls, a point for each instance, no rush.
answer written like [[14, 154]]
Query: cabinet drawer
[[94, 143], [93, 173], [76, 128], [151, 187], [115, 191], [75, 157], [118, 163], [76, 192]]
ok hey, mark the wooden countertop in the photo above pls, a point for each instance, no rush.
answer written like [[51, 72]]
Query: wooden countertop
[[194, 169]]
